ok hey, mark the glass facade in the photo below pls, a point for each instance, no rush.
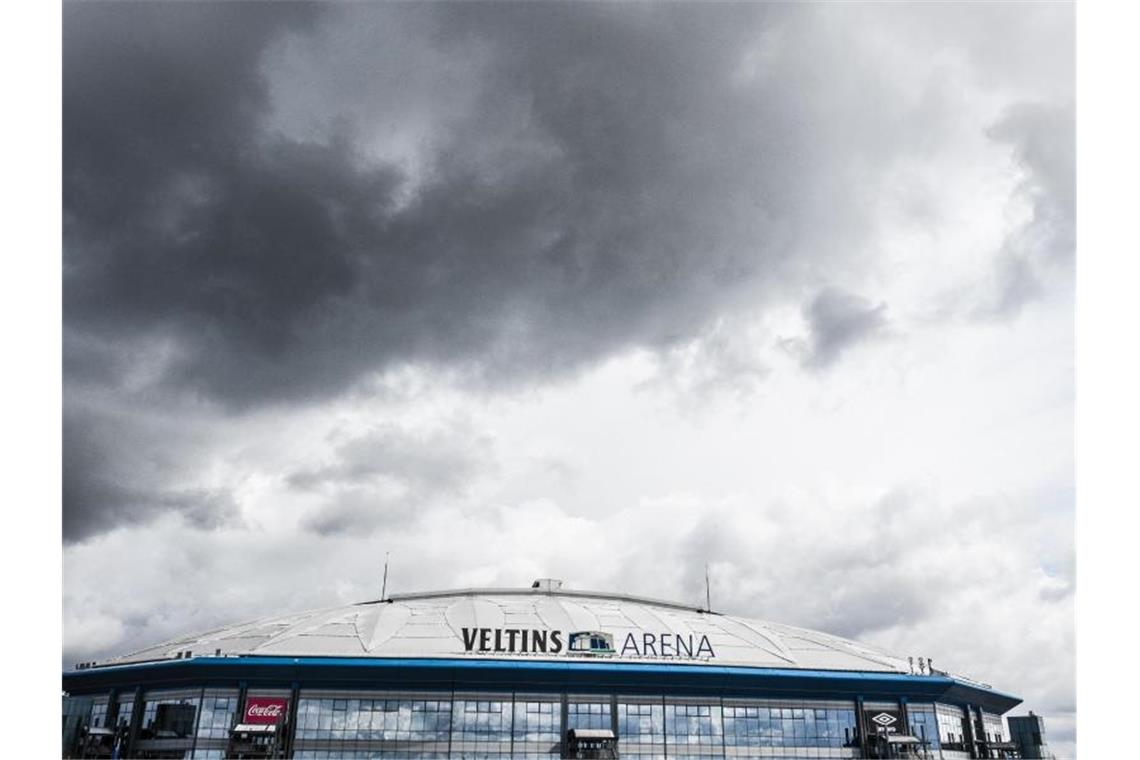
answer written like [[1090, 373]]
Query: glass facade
[[383, 720], [217, 715], [196, 723], [694, 729], [481, 725], [994, 727], [641, 726], [951, 732], [126, 708], [98, 717], [531, 726], [769, 728], [188, 723], [354, 724], [75, 714], [170, 715], [537, 730], [924, 724], [588, 712]]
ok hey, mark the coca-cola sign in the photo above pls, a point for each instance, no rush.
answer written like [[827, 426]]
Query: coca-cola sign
[[265, 709]]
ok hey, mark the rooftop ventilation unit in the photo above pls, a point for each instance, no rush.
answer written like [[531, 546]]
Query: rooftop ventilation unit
[[547, 584]]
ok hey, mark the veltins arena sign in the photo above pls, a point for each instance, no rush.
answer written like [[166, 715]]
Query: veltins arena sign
[[586, 643]]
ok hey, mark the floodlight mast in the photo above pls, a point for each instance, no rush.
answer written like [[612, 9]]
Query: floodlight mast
[[384, 584]]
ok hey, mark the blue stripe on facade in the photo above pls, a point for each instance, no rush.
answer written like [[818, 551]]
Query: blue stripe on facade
[[541, 665], [489, 674]]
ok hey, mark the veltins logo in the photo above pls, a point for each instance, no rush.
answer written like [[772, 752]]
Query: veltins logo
[[512, 640], [591, 643]]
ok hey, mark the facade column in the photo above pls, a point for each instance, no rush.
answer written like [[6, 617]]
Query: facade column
[[860, 729], [723, 738], [137, 710], [291, 720], [239, 714], [563, 725], [968, 731], [112, 709]]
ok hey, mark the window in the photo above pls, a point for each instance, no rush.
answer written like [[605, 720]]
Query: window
[[641, 725], [537, 726], [481, 722], [170, 715], [417, 720], [694, 728], [217, 715], [994, 726], [588, 714], [126, 709], [950, 728], [99, 713], [827, 726], [924, 724]]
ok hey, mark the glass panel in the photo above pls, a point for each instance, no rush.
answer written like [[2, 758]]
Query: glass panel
[[924, 724], [405, 720], [538, 721], [75, 713], [588, 714], [126, 709], [170, 716], [641, 725], [217, 715], [693, 729], [481, 721], [768, 724]]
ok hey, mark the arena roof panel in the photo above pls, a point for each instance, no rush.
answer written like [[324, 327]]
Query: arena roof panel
[[477, 623]]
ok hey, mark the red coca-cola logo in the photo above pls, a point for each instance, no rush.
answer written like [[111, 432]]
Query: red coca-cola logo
[[265, 709]]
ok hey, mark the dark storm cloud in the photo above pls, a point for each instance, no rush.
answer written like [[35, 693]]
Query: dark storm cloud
[[443, 461], [177, 220], [268, 203], [837, 320], [613, 181], [359, 512], [386, 475], [118, 470]]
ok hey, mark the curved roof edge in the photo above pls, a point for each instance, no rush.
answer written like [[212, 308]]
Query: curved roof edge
[[587, 677], [515, 591]]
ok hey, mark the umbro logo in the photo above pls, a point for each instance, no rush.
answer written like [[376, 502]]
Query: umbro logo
[[884, 719]]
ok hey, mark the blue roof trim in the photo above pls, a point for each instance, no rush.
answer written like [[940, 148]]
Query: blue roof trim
[[444, 662], [626, 668]]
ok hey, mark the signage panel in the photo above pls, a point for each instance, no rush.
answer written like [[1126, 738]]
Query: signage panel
[[263, 710], [883, 721], [663, 645]]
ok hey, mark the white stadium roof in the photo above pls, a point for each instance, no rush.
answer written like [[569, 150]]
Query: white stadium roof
[[445, 624]]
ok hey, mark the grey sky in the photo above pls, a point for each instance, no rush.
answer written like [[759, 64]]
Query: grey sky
[[479, 283]]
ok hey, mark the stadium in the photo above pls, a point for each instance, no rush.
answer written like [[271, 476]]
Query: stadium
[[539, 672]]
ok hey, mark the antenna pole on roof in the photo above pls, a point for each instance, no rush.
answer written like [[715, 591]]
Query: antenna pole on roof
[[384, 585], [708, 591]]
